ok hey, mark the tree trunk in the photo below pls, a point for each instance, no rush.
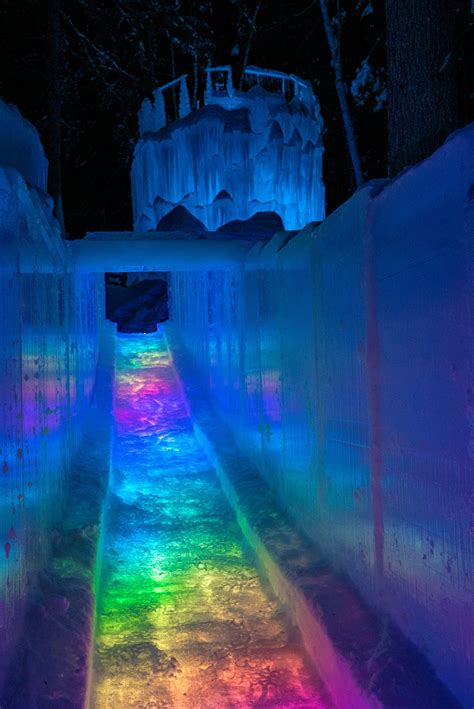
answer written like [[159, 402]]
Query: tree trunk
[[423, 57], [54, 108], [196, 81], [173, 76], [249, 43], [342, 94]]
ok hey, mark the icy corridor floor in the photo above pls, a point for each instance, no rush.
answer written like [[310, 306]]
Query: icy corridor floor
[[182, 618]]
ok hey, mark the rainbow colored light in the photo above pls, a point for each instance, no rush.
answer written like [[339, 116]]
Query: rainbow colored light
[[182, 618]]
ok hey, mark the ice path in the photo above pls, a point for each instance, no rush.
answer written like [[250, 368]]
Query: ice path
[[182, 619]]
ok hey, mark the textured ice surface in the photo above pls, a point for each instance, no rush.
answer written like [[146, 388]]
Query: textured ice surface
[[48, 667], [20, 147], [344, 363], [182, 617], [249, 152], [48, 347]]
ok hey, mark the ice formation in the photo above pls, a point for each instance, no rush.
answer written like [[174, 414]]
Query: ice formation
[[182, 618], [20, 147], [49, 319], [342, 358], [243, 152]]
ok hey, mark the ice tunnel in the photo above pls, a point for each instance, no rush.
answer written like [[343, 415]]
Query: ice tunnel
[[269, 501]]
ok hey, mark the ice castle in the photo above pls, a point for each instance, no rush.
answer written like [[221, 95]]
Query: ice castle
[[310, 400], [241, 153]]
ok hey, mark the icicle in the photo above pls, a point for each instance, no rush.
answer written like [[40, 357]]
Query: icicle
[[230, 83], [145, 117], [184, 105], [208, 94], [159, 113], [281, 167]]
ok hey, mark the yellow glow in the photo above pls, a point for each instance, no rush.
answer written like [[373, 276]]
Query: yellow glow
[[182, 617]]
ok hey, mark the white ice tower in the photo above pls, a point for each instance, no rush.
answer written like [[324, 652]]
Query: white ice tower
[[243, 152]]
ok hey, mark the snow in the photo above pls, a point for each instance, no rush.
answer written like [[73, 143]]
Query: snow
[[369, 84], [262, 150]]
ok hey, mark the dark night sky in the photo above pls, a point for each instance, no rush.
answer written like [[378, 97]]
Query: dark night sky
[[100, 122]]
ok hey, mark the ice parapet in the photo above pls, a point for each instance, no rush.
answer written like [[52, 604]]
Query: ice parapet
[[240, 154], [20, 147]]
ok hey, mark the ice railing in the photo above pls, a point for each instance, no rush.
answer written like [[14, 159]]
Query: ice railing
[[171, 101], [289, 85]]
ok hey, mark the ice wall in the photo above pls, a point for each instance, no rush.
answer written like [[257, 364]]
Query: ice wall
[[48, 349], [343, 358], [243, 153], [20, 147]]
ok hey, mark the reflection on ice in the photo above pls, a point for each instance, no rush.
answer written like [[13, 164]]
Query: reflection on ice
[[182, 618]]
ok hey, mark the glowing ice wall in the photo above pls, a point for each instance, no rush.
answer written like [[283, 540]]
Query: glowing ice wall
[[344, 361], [253, 152], [20, 147], [48, 347]]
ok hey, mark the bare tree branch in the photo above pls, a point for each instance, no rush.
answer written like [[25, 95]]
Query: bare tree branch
[[253, 27], [112, 63], [342, 93]]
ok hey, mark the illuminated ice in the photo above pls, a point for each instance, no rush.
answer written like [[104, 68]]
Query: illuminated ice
[[49, 319], [20, 147], [243, 152], [182, 617], [342, 358]]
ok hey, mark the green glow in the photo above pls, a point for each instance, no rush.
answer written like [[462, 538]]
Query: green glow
[[182, 619]]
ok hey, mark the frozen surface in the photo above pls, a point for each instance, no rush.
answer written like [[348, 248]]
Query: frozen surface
[[364, 659], [343, 360], [242, 153], [48, 348], [49, 666], [341, 357], [182, 618], [20, 147]]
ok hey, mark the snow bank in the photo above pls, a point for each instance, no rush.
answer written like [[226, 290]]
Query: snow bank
[[343, 360]]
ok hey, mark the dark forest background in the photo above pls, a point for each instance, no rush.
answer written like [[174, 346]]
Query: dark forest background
[[79, 70]]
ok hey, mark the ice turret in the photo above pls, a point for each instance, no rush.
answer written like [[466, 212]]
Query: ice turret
[[260, 147], [20, 147]]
